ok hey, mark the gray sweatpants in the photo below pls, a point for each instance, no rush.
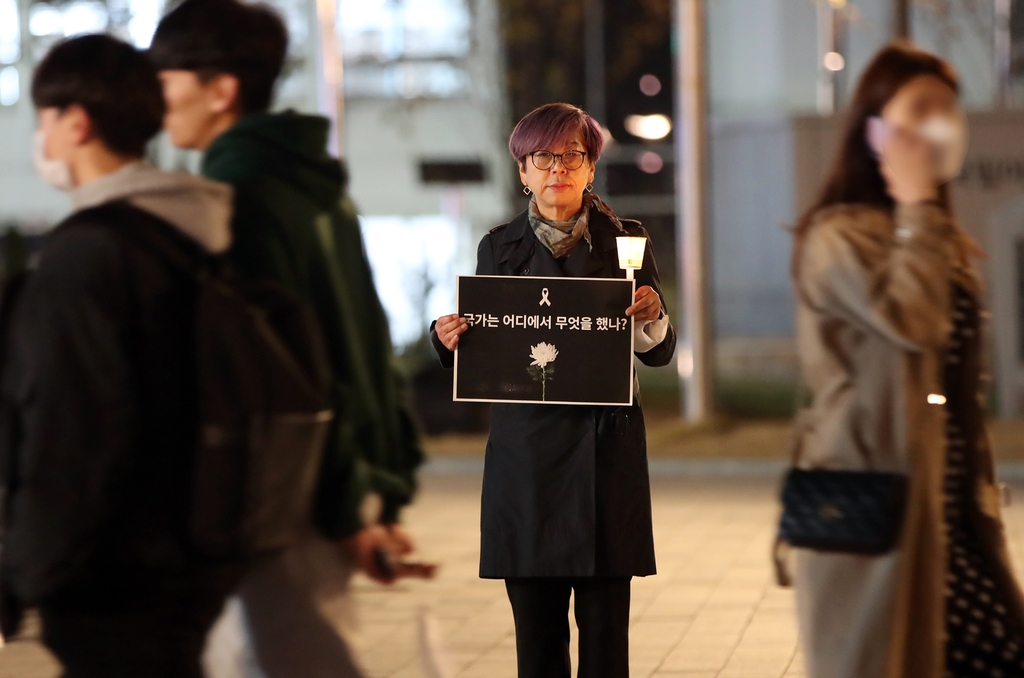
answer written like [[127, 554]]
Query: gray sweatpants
[[275, 626]]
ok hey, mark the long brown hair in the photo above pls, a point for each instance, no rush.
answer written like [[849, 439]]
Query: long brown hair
[[855, 176]]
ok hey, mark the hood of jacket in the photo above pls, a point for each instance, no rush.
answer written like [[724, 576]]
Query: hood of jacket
[[198, 207], [289, 146]]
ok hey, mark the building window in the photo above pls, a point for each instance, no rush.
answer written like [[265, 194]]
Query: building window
[[10, 86], [405, 48], [10, 52], [1017, 51], [138, 18], [10, 32], [131, 20], [413, 261], [293, 86]]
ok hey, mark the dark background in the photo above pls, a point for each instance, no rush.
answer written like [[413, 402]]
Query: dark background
[[592, 366]]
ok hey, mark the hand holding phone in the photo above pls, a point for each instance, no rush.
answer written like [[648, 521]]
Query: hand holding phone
[[904, 160], [878, 133], [400, 569]]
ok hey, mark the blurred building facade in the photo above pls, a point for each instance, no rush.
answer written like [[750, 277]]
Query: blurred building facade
[[431, 89], [424, 135], [28, 28], [770, 149], [423, 127]]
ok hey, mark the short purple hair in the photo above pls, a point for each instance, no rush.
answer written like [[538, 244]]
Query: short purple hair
[[550, 124]]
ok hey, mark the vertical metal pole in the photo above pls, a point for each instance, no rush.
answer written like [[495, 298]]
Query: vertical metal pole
[[696, 358], [595, 83], [826, 44], [900, 19], [1003, 44], [330, 92]]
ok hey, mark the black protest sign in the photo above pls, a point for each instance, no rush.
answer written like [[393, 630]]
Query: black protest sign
[[562, 341]]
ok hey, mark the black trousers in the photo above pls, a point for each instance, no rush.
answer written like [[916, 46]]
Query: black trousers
[[164, 642], [541, 610]]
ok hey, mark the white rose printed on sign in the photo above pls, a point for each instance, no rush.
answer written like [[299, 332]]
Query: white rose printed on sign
[[543, 354]]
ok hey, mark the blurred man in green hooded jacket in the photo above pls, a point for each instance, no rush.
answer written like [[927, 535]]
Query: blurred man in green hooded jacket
[[295, 224]]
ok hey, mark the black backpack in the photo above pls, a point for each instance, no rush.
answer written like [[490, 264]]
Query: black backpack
[[264, 409]]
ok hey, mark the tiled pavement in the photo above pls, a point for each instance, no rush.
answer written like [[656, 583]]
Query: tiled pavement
[[711, 612]]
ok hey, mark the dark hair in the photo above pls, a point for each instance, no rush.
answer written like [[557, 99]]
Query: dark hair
[[855, 177], [543, 127], [112, 81], [216, 37]]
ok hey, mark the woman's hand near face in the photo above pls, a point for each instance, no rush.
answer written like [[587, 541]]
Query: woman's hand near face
[[646, 305], [907, 168], [449, 328]]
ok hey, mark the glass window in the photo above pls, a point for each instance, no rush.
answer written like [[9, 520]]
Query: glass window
[[1017, 51], [10, 32], [405, 48], [293, 86], [132, 20], [80, 18], [139, 19], [45, 19], [407, 79], [10, 86], [391, 29], [413, 261]]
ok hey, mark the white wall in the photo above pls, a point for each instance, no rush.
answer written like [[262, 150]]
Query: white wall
[[24, 198]]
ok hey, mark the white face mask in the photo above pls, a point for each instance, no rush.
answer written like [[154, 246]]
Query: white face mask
[[948, 137], [57, 173]]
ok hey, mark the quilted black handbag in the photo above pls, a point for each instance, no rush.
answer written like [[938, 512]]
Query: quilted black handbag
[[843, 511], [837, 511]]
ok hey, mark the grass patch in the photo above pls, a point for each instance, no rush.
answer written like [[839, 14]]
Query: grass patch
[[756, 399]]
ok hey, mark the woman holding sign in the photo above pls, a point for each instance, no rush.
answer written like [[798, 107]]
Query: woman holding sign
[[566, 493]]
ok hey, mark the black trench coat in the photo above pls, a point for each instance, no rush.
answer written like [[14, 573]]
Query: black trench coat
[[566, 490]]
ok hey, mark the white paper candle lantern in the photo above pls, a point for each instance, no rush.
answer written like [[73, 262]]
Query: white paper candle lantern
[[631, 253]]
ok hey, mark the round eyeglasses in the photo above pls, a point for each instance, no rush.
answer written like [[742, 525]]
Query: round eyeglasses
[[545, 160]]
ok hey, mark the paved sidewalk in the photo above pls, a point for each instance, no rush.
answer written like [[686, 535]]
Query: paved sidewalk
[[712, 611]]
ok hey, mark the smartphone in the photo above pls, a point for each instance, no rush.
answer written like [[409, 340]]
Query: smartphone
[[878, 134], [391, 568], [382, 560]]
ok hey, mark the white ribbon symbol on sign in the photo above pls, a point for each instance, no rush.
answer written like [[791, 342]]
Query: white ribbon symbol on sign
[[544, 297]]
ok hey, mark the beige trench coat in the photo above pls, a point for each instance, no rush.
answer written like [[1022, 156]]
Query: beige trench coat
[[873, 319]]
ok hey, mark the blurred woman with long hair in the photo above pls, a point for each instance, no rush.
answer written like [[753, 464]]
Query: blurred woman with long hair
[[888, 330]]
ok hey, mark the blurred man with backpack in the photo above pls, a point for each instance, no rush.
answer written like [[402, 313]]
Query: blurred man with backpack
[[294, 223], [99, 417]]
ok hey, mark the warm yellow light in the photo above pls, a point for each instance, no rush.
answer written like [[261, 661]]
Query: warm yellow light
[[631, 252], [936, 399], [837, 4], [834, 61], [684, 363], [651, 127]]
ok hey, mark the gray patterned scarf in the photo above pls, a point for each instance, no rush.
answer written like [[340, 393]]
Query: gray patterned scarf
[[561, 236]]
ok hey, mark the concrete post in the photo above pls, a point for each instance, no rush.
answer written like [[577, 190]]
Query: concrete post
[[330, 92], [695, 357], [1003, 45], [900, 19]]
